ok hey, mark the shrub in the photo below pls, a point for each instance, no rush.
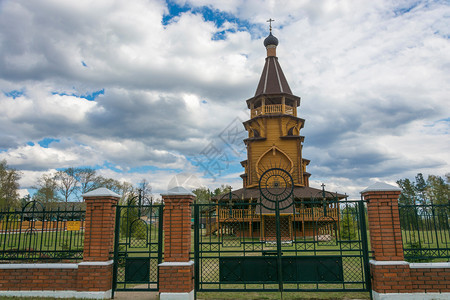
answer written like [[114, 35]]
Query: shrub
[[416, 253]]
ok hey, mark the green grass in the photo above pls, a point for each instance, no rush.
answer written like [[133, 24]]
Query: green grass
[[43, 241], [286, 295], [41, 246], [31, 298], [250, 295]]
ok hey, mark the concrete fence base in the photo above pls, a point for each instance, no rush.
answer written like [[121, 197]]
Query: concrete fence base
[[60, 280]]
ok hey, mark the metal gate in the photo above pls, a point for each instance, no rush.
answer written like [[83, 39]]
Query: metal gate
[[138, 245], [280, 243]]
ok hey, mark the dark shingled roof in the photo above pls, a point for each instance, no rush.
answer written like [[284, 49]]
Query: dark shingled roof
[[299, 193], [272, 79], [270, 40]]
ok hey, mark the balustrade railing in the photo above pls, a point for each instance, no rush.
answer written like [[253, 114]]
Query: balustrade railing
[[272, 109], [305, 214], [238, 214], [315, 213]]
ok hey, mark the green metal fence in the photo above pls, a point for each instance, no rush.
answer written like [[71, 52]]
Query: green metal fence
[[425, 232], [138, 245], [36, 233], [319, 246]]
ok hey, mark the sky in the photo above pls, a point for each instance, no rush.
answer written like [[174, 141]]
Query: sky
[[156, 90]]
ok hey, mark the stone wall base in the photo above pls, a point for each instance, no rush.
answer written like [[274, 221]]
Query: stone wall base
[[91, 280], [177, 296], [58, 294], [410, 296]]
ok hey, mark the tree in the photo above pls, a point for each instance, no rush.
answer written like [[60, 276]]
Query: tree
[[67, 183], [421, 187], [87, 180], [9, 185], [348, 228], [438, 191], [47, 189], [124, 188], [408, 195], [203, 195], [145, 189], [222, 190], [433, 190], [131, 225], [64, 185], [24, 200]]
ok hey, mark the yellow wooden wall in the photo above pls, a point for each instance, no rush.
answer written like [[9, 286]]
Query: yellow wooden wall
[[274, 151]]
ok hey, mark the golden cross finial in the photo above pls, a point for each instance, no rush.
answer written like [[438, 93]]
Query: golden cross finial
[[270, 23]]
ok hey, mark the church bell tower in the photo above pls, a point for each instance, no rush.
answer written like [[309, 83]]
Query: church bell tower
[[274, 139]]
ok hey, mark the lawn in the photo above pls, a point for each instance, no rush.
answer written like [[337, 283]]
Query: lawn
[[40, 244]]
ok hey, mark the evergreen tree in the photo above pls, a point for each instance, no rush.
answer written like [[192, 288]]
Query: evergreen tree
[[348, 222], [420, 188], [434, 190], [203, 195], [408, 195]]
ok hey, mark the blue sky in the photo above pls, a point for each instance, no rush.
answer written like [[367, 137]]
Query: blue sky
[[156, 88]]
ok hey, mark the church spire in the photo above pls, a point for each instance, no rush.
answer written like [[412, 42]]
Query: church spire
[[272, 79]]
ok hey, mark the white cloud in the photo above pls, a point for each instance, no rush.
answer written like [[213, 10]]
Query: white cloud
[[373, 77], [64, 155]]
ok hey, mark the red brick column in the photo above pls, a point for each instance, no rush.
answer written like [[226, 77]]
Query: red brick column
[[95, 272], [384, 222], [99, 224], [392, 277], [176, 274], [390, 273]]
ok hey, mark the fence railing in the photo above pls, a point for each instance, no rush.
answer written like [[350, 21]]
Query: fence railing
[[38, 234], [425, 232]]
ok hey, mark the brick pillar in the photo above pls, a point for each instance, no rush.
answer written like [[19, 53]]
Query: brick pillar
[[95, 272], [390, 273], [176, 273], [384, 221]]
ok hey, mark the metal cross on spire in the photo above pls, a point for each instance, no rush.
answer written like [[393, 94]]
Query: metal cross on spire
[[270, 23]]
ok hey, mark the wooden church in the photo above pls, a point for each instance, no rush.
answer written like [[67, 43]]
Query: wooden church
[[274, 141]]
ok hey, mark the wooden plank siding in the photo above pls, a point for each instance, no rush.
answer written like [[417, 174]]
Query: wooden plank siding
[[275, 127]]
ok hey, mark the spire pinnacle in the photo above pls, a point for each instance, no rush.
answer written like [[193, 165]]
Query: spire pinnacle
[[271, 42], [270, 24]]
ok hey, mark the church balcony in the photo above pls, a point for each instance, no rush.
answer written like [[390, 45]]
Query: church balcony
[[273, 109], [316, 213], [301, 214], [238, 214]]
